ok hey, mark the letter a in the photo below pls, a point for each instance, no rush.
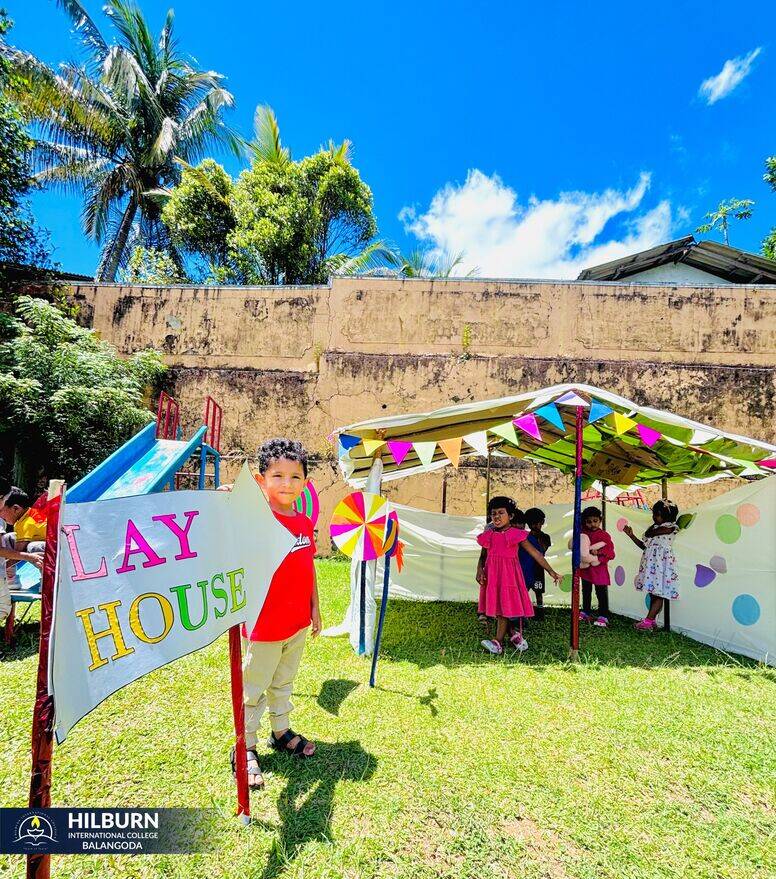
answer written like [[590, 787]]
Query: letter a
[[134, 536]]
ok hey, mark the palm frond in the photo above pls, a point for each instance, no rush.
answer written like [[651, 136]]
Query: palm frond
[[91, 38], [376, 255], [266, 145]]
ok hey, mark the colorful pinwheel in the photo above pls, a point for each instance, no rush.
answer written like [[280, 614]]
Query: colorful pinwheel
[[359, 525]]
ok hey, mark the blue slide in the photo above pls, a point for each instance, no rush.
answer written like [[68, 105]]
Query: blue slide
[[142, 465]]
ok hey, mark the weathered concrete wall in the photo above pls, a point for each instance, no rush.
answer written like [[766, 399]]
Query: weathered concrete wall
[[300, 361]]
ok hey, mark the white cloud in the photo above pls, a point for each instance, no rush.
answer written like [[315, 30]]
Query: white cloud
[[545, 238], [733, 73]]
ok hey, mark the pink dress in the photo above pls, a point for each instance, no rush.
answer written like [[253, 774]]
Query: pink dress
[[505, 592]]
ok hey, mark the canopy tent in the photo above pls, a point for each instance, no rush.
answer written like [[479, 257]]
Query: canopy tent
[[623, 443], [576, 428]]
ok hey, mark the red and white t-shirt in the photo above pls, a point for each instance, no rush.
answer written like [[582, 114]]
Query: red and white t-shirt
[[287, 608]]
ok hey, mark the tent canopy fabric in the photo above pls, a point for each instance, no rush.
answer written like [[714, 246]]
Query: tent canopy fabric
[[624, 443]]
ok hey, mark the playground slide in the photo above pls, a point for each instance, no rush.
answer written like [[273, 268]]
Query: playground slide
[[142, 465]]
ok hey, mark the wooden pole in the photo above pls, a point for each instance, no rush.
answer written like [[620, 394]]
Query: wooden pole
[[238, 715], [444, 490], [603, 504], [575, 576], [666, 601], [487, 485], [533, 484], [39, 865]]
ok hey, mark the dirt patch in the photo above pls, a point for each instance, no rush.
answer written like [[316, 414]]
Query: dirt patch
[[542, 844]]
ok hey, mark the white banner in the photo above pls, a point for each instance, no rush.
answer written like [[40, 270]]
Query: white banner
[[145, 580]]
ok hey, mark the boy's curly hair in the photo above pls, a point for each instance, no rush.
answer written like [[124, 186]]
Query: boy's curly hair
[[281, 449]]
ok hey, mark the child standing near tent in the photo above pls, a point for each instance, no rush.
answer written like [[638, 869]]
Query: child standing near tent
[[657, 572], [533, 574], [505, 595], [273, 650], [596, 575]]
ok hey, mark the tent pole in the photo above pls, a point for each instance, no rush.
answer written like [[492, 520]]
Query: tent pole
[[666, 601], [487, 485], [603, 504], [533, 483], [444, 490], [574, 646]]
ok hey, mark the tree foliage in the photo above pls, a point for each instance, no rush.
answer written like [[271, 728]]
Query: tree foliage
[[769, 244], [67, 399], [113, 127], [150, 265], [20, 241], [733, 209], [283, 221]]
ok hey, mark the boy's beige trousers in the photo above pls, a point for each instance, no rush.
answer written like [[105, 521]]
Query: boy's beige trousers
[[269, 669]]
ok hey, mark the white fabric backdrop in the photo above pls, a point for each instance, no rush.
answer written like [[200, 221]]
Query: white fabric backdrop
[[735, 611]]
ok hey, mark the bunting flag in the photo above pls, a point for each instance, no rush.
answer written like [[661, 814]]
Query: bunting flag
[[769, 463], [425, 452], [527, 423], [399, 449], [371, 446], [622, 424], [452, 450], [649, 436], [346, 443], [507, 432], [550, 413], [478, 441], [598, 410], [571, 399]]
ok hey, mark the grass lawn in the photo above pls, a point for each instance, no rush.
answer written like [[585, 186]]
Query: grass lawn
[[653, 757]]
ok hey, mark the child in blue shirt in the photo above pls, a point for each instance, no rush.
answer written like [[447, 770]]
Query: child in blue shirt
[[533, 573]]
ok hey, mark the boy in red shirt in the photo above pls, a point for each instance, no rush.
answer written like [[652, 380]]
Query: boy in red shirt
[[596, 575], [274, 648]]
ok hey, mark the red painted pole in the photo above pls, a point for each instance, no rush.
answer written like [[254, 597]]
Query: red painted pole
[[238, 712], [39, 865], [575, 577]]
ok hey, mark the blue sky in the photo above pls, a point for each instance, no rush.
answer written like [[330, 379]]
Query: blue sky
[[538, 138]]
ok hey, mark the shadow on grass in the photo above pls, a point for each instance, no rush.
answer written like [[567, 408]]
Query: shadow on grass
[[448, 634], [25, 642], [334, 692], [306, 803]]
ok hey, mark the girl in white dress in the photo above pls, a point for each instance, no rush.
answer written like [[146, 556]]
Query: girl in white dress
[[657, 572]]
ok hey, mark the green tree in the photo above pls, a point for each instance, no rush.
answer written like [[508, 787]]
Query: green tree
[[149, 265], [283, 221], [20, 241], [113, 127], [67, 399], [733, 209], [769, 244]]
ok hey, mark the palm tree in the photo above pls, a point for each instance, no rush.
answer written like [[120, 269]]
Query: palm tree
[[113, 127]]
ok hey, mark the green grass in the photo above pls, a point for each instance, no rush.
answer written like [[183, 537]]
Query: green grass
[[652, 757]]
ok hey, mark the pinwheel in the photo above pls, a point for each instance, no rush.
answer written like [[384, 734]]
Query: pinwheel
[[358, 526]]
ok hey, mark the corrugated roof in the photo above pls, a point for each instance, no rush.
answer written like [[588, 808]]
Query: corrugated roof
[[728, 263]]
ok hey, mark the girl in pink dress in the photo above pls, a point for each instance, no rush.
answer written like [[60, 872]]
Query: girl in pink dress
[[504, 595]]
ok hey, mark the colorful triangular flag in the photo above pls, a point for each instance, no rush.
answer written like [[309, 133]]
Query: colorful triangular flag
[[371, 446], [598, 410], [478, 441], [399, 449], [452, 449], [425, 452], [550, 413], [649, 436], [348, 442], [622, 424], [570, 398], [506, 431], [527, 423]]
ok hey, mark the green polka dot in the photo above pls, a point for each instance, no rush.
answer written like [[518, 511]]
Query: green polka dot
[[728, 528], [565, 583]]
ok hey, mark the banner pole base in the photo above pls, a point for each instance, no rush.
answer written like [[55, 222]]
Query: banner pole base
[[573, 655]]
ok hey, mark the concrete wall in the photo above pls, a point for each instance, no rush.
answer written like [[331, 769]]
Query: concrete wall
[[299, 361]]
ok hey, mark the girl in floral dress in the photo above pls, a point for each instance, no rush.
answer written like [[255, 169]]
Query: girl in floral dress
[[657, 572], [504, 595]]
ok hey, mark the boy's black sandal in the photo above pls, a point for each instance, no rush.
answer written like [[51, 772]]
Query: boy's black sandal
[[282, 744], [252, 757]]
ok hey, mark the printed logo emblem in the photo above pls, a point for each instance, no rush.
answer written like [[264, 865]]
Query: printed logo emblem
[[302, 541], [35, 830]]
